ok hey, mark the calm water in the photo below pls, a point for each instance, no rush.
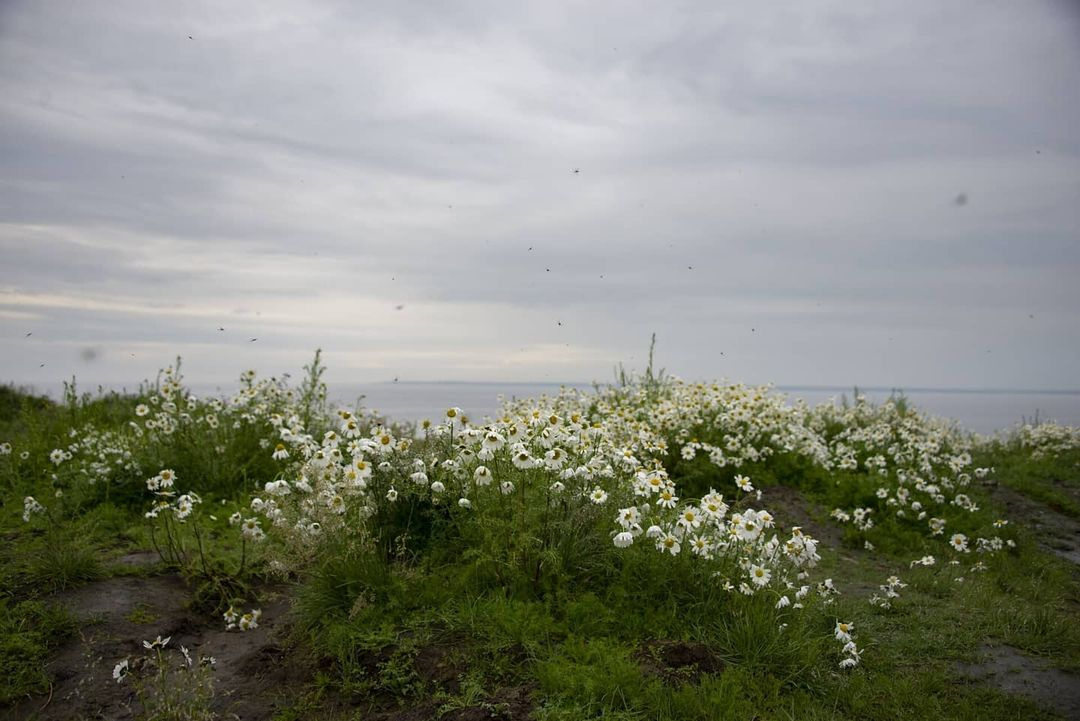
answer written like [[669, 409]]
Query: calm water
[[981, 411]]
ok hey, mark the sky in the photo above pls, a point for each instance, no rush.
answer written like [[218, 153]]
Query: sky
[[820, 193]]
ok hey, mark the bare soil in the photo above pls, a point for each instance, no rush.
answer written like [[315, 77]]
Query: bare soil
[[677, 662], [1006, 668], [1058, 533], [253, 671], [792, 509]]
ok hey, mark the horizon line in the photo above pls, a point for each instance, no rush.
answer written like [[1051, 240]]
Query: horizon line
[[777, 386]]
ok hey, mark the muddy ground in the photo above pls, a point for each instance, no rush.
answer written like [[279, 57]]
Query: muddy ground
[[251, 671], [1056, 532], [1011, 671]]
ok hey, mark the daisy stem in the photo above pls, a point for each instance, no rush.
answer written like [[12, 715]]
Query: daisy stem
[[198, 540], [153, 540]]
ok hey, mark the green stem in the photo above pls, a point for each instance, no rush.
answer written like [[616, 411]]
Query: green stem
[[153, 541], [198, 540]]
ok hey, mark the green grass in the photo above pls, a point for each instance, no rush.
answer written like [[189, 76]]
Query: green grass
[[1053, 481], [28, 631]]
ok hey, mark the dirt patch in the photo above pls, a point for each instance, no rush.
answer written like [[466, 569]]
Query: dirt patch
[[441, 665], [1006, 668], [514, 703], [507, 704], [676, 662], [791, 508], [1056, 532], [139, 559], [82, 670], [252, 675]]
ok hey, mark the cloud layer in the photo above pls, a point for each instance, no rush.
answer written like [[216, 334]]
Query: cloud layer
[[815, 194]]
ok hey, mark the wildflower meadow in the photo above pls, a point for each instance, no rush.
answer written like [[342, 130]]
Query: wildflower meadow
[[652, 549]]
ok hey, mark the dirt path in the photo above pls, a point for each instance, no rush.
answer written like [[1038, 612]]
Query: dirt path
[[1057, 533], [791, 508]]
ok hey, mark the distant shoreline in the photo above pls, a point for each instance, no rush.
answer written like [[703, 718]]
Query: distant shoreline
[[56, 388]]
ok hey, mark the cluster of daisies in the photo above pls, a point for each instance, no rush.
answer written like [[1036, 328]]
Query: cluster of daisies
[[93, 455], [556, 452], [1046, 439], [922, 465]]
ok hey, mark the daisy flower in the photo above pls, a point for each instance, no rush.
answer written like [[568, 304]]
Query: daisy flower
[[669, 543], [760, 575], [158, 642], [523, 460], [960, 542]]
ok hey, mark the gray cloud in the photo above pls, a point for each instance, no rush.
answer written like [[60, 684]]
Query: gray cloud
[[295, 174]]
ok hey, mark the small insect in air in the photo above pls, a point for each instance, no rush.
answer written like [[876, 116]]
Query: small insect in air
[[398, 307], [576, 170], [30, 334], [253, 340]]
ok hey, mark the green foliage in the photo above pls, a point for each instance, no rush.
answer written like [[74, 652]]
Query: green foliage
[[28, 631], [62, 560]]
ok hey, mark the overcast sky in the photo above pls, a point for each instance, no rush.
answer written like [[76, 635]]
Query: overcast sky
[[805, 193]]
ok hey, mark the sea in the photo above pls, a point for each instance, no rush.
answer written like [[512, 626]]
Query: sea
[[984, 411]]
